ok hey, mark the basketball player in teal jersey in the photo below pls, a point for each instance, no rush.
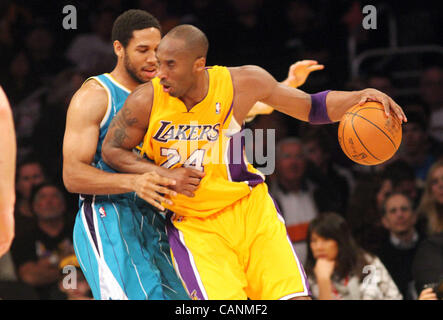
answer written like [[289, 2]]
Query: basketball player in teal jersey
[[119, 239]]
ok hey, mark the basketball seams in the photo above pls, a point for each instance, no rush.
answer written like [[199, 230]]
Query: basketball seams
[[343, 138], [360, 116], [361, 142]]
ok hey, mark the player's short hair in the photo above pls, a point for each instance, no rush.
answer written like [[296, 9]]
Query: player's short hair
[[194, 38], [130, 21]]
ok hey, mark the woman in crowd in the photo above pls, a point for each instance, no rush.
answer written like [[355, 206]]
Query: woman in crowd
[[339, 269], [428, 262]]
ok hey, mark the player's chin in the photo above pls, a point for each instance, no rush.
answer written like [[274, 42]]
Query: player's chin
[[145, 76]]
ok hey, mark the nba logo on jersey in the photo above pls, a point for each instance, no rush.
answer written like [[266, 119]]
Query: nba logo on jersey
[[102, 212], [217, 108]]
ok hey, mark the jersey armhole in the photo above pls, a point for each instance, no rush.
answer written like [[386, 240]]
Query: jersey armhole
[[108, 107]]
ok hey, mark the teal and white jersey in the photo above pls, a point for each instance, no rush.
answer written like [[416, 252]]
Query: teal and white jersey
[[117, 95]]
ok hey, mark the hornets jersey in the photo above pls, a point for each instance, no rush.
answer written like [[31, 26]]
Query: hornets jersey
[[206, 138], [117, 95]]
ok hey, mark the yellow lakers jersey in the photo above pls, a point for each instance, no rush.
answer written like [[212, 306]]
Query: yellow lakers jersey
[[206, 138]]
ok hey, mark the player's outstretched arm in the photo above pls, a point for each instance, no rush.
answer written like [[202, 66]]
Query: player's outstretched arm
[[253, 84], [85, 113], [297, 75], [128, 129], [8, 153]]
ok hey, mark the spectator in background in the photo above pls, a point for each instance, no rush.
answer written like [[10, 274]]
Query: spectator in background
[[18, 80], [398, 249], [363, 213], [338, 269], [44, 59], [293, 192], [334, 183], [382, 82], [416, 146], [428, 261], [431, 89], [403, 179], [30, 173], [49, 130], [93, 52], [37, 253]]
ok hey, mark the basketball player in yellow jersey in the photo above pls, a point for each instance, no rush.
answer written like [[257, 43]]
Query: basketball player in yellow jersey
[[228, 241]]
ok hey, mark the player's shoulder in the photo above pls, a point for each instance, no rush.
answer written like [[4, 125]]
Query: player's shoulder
[[91, 100], [92, 88], [90, 94], [248, 75], [142, 95], [246, 71]]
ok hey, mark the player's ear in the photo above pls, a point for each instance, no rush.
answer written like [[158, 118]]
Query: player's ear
[[118, 49], [200, 64]]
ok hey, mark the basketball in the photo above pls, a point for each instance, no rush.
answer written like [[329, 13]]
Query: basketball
[[367, 136]]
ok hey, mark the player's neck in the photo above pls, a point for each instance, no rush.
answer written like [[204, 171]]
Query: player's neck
[[198, 91]]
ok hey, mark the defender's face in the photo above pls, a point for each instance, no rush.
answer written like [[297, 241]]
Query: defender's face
[[175, 69], [139, 57]]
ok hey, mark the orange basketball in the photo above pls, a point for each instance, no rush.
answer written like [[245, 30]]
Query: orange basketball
[[367, 136]]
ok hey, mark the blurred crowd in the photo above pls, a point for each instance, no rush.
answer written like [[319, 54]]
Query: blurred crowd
[[388, 217]]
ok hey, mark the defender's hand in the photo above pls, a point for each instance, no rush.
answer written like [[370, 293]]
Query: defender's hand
[[299, 72], [152, 187]]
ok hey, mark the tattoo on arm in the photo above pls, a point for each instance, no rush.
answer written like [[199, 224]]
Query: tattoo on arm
[[119, 124]]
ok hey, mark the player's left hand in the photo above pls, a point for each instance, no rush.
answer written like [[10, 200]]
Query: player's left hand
[[299, 72], [388, 103]]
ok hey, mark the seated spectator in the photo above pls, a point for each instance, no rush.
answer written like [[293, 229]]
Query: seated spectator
[[364, 210], [428, 262], [293, 192], [30, 173], [416, 146], [37, 253], [398, 249], [338, 269], [403, 179], [333, 182], [93, 52], [431, 89]]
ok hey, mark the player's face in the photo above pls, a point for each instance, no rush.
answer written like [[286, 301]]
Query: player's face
[[399, 216], [437, 185], [176, 67], [139, 58], [323, 247]]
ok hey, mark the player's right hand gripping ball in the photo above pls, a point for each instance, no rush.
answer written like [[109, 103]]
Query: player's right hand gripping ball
[[367, 136]]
